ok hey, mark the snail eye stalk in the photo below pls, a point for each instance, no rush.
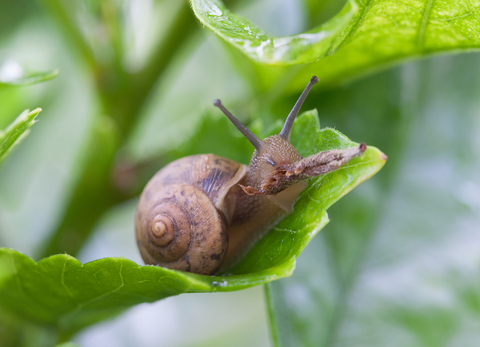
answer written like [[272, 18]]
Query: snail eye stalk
[[287, 127], [255, 141]]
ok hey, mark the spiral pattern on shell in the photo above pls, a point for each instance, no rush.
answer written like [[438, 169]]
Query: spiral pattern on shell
[[181, 230], [169, 231]]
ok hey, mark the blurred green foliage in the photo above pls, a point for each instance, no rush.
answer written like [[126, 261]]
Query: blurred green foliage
[[398, 265], [12, 135]]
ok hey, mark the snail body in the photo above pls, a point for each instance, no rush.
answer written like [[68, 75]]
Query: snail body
[[202, 213]]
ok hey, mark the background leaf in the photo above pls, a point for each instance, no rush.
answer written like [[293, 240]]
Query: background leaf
[[363, 37], [386, 33], [26, 79], [257, 44], [14, 133], [67, 344]]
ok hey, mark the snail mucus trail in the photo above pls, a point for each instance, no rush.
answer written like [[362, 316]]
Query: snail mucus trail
[[203, 213]]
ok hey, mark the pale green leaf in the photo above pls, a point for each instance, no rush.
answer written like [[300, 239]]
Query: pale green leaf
[[18, 129], [363, 37], [387, 32], [257, 44], [30, 78]]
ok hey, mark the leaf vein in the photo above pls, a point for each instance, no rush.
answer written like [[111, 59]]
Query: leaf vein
[[85, 303], [337, 44], [469, 5], [408, 6], [62, 280], [17, 278], [423, 25], [448, 19]]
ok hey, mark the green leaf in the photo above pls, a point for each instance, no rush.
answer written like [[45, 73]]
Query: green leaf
[[287, 240], [62, 292], [364, 37], [17, 130], [30, 78], [67, 344], [384, 33], [258, 45]]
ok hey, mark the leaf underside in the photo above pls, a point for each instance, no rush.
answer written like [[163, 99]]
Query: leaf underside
[[364, 36], [260, 46]]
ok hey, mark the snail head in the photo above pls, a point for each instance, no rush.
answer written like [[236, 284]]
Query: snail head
[[276, 164]]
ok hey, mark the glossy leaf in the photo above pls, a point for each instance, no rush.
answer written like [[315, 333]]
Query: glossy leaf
[[257, 44], [16, 131], [365, 36], [62, 292], [388, 32]]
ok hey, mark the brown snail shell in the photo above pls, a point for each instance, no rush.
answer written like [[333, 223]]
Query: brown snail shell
[[182, 215]]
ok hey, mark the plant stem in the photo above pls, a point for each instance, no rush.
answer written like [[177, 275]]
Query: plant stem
[[122, 95], [58, 10], [271, 315]]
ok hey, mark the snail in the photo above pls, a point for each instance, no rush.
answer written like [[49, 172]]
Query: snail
[[203, 213]]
